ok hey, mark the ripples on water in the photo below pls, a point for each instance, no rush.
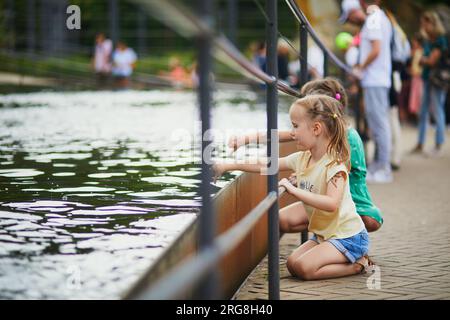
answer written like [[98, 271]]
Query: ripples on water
[[94, 185]]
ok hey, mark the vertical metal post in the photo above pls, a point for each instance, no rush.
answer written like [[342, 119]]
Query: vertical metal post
[[142, 32], [304, 236], [303, 54], [325, 64], [232, 20], [60, 33], [45, 32], [31, 26], [303, 80], [207, 220], [10, 24], [113, 8], [272, 147]]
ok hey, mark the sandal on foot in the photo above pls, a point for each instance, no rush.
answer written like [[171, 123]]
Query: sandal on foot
[[364, 266]]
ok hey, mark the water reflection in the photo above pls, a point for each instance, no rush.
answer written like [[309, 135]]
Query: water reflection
[[94, 185]]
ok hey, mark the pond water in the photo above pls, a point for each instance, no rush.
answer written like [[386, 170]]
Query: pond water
[[94, 185]]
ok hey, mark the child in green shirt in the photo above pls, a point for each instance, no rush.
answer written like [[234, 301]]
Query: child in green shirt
[[290, 221]]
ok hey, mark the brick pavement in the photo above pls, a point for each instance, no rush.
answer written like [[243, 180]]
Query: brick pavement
[[412, 249]]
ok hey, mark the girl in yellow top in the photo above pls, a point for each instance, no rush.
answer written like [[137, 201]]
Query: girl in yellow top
[[340, 243]]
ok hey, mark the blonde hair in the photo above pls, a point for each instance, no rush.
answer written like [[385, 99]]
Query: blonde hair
[[328, 86], [327, 110], [438, 27]]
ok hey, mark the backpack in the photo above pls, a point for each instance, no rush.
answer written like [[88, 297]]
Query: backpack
[[400, 47]]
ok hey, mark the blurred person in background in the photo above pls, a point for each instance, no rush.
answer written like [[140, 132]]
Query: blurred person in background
[[435, 49], [124, 62], [101, 61], [415, 95]]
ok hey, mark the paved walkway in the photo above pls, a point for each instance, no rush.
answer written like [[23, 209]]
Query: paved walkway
[[412, 249]]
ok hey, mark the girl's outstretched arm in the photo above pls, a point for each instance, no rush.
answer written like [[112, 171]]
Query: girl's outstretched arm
[[285, 136], [259, 166], [329, 202], [432, 59], [260, 137]]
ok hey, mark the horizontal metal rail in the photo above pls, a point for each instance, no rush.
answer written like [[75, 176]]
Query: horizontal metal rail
[[301, 18], [238, 62], [189, 273], [187, 24]]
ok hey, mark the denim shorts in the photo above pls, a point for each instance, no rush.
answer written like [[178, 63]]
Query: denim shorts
[[353, 248]]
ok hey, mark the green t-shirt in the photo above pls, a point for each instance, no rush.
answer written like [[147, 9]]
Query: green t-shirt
[[358, 187], [441, 44]]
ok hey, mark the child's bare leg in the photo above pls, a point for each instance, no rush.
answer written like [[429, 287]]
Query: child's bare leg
[[323, 261], [370, 223], [297, 253], [293, 218]]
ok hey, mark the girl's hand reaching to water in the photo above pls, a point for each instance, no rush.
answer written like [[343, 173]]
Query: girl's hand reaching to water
[[218, 170], [236, 142], [286, 184]]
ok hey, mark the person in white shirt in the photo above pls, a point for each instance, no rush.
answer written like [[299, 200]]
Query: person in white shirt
[[102, 58], [315, 61], [374, 69], [124, 62]]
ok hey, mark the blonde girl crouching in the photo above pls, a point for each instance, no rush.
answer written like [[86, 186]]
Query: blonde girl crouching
[[340, 243]]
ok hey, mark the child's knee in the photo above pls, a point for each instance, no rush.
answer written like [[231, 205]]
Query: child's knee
[[290, 264], [303, 270], [371, 224]]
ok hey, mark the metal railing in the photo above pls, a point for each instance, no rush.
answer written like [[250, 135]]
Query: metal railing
[[307, 28], [192, 272]]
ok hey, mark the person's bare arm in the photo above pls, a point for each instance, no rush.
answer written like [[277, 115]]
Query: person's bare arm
[[284, 136], [260, 137], [433, 59], [373, 54], [314, 73], [329, 202], [260, 166]]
